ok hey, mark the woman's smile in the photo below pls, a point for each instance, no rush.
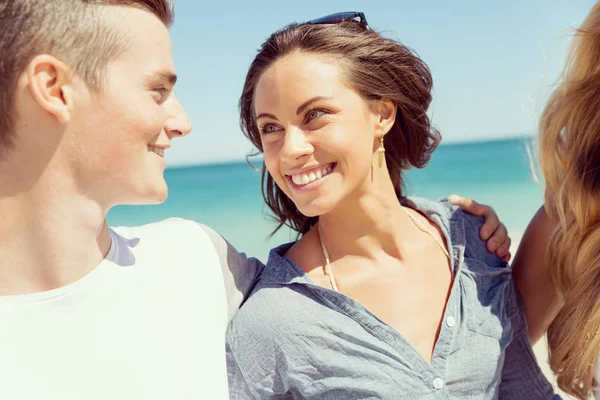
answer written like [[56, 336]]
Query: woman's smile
[[309, 178]]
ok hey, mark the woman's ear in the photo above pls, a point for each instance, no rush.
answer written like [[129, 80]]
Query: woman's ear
[[385, 112], [50, 85]]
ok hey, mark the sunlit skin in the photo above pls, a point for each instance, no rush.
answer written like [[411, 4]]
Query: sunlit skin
[[119, 164], [78, 152], [379, 257]]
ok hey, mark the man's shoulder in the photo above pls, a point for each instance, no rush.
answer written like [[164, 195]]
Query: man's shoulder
[[160, 229], [176, 259], [176, 240], [176, 232]]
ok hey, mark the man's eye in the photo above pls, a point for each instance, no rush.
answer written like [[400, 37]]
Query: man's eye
[[160, 94]]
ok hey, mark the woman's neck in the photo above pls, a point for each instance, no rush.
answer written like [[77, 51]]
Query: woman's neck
[[366, 226]]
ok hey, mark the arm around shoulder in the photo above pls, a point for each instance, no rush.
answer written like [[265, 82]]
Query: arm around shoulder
[[540, 301], [239, 271]]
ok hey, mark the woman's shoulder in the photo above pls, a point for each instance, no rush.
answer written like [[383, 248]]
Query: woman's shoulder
[[258, 338], [262, 313], [461, 228], [475, 247], [270, 327], [267, 311]]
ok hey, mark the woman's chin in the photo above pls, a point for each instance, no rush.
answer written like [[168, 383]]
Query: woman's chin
[[313, 210]]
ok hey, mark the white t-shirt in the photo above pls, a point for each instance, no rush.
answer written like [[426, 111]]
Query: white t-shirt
[[147, 323]]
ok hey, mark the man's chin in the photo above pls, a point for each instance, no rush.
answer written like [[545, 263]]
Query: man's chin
[[156, 196], [159, 197]]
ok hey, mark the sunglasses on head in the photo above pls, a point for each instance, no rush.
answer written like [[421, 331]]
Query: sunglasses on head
[[337, 18]]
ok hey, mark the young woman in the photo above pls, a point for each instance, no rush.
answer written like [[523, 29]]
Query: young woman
[[562, 294], [382, 297]]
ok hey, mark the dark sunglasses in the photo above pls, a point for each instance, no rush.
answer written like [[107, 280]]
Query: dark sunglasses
[[341, 17]]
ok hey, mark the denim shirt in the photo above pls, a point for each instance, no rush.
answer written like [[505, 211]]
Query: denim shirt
[[293, 339]]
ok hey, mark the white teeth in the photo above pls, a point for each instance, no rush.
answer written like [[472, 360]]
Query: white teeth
[[306, 178]]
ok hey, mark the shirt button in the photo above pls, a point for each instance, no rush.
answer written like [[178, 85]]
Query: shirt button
[[450, 321], [438, 383]]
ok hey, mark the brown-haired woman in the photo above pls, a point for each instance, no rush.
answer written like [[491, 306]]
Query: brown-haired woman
[[562, 295], [382, 297]]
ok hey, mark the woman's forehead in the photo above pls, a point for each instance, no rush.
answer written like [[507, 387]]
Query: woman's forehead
[[299, 75]]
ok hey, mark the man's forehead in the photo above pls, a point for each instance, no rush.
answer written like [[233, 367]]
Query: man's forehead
[[143, 32], [147, 46]]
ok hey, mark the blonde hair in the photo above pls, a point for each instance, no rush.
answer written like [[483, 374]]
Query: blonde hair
[[570, 162], [75, 31]]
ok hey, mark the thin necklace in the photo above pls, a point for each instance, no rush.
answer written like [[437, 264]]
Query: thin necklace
[[329, 270]]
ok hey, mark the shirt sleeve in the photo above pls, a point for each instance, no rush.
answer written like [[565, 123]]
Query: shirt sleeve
[[238, 387], [522, 377], [256, 367], [239, 271]]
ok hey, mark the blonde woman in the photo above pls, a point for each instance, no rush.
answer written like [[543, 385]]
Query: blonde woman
[[561, 294]]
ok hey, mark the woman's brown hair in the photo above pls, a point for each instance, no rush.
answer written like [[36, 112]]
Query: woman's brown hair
[[376, 68], [570, 163]]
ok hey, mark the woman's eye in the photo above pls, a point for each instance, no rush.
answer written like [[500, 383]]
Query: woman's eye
[[314, 114], [269, 128]]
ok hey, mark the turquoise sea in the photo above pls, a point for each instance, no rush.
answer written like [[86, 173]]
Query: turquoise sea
[[227, 197]]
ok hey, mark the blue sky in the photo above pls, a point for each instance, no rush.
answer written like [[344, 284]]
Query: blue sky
[[493, 62]]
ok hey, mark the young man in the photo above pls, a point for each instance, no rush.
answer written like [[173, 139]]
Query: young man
[[86, 312]]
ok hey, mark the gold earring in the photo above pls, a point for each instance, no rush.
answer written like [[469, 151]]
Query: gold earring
[[380, 153]]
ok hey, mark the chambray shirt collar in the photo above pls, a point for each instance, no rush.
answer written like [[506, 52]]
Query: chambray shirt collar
[[283, 271]]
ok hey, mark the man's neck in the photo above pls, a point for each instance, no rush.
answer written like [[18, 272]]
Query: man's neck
[[50, 235]]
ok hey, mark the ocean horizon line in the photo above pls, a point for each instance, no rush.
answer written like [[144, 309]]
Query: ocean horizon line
[[258, 158]]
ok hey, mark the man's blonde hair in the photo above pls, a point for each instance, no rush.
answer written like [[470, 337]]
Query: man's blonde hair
[[74, 31]]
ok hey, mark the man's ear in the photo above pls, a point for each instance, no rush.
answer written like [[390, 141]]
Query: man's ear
[[50, 82]]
